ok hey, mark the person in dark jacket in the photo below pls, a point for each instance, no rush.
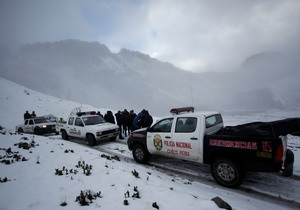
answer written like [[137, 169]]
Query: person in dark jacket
[[27, 115], [143, 120], [146, 120], [33, 115], [132, 115], [125, 118], [109, 117], [119, 123]]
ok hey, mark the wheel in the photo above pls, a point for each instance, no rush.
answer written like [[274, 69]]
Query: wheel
[[140, 154], [227, 172], [37, 131], [91, 139], [64, 135], [20, 130], [288, 164]]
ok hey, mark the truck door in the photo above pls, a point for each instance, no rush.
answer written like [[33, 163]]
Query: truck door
[[186, 138], [159, 139], [77, 129], [25, 127], [29, 127], [71, 130]]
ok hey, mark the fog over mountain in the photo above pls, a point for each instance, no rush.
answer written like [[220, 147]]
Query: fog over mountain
[[89, 73]]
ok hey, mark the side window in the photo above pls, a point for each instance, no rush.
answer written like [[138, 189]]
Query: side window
[[70, 121], [186, 124], [213, 120], [26, 122], [31, 122], [78, 122], [164, 125]]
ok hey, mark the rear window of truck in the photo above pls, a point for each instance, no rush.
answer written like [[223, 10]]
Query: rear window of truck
[[213, 120]]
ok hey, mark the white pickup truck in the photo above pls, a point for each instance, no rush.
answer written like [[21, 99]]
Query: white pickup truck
[[37, 125], [230, 151], [88, 125]]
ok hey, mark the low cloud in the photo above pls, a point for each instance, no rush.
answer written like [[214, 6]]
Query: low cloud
[[193, 35]]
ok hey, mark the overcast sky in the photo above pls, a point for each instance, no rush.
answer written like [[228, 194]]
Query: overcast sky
[[195, 35]]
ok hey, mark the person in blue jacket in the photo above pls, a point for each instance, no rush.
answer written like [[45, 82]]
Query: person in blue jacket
[[136, 120], [143, 120]]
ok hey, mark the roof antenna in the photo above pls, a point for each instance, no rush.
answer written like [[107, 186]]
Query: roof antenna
[[191, 89]]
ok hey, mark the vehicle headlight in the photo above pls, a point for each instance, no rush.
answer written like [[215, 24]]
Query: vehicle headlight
[[44, 126], [98, 133]]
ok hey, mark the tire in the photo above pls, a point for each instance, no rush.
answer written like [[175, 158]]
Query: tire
[[37, 131], [288, 164], [140, 154], [64, 135], [91, 139], [227, 172], [20, 130]]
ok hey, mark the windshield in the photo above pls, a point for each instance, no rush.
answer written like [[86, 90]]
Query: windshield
[[40, 120], [93, 120], [164, 125]]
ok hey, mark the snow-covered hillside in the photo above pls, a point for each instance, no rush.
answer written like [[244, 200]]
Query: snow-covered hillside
[[16, 99]]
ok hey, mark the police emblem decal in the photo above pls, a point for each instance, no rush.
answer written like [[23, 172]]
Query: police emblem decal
[[157, 141]]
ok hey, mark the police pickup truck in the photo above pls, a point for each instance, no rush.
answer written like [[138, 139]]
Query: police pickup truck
[[201, 137], [90, 126], [37, 125]]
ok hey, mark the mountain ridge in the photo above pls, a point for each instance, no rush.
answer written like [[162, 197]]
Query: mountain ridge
[[88, 72]]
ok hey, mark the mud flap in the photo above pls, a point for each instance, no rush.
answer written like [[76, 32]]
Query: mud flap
[[288, 164]]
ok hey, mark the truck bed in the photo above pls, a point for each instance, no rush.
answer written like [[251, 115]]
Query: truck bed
[[272, 129]]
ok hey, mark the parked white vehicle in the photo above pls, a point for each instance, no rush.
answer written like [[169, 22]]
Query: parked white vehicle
[[88, 125], [37, 125]]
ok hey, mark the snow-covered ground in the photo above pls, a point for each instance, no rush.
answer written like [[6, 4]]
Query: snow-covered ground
[[35, 183]]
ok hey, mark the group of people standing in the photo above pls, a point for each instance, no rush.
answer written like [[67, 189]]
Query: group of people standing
[[129, 121], [27, 115]]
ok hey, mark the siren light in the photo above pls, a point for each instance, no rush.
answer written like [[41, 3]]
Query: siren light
[[86, 113], [182, 109]]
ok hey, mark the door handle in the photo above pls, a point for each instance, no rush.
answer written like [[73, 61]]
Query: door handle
[[168, 137], [194, 138]]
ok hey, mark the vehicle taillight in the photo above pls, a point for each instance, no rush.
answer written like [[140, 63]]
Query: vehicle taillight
[[279, 154]]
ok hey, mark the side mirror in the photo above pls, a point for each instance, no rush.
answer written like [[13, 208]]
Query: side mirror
[[149, 129]]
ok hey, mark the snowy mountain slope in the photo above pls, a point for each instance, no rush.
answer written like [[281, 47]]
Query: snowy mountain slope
[[87, 72], [16, 99]]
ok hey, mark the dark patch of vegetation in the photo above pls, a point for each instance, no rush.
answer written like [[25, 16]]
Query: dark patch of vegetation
[[135, 173], [86, 197]]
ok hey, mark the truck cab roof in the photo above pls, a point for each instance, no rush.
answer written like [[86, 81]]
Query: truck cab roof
[[213, 119]]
